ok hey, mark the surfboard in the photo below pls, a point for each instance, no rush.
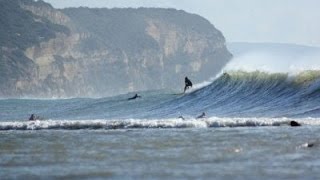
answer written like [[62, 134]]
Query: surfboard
[[179, 93], [183, 93]]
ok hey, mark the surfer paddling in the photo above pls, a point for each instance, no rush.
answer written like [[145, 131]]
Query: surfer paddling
[[188, 84], [294, 124], [134, 97], [203, 115]]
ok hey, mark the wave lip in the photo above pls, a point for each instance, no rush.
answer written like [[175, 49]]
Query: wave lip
[[212, 122]]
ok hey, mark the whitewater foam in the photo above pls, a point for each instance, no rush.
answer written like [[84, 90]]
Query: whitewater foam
[[213, 122], [203, 84], [274, 63]]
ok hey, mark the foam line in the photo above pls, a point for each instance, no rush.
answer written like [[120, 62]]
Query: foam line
[[212, 122]]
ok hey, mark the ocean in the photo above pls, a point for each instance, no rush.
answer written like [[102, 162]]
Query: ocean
[[244, 135]]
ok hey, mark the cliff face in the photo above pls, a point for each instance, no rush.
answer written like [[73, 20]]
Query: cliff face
[[103, 52]]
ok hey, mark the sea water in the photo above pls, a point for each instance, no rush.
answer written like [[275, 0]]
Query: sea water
[[245, 134], [191, 153]]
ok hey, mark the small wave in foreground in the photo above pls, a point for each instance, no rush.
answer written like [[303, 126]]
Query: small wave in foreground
[[213, 122]]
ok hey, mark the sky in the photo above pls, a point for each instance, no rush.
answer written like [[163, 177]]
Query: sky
[[278, 21]]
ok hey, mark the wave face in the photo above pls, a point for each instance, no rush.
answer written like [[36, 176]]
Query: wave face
[[235, 94], [259, 94]]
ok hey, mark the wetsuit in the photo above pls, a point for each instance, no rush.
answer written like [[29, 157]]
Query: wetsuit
[[134, 97], [188, 83]]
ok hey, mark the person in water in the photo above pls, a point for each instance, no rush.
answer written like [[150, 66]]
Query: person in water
[[294, 123], [203, 115], [33, 117], [188, 83], [134, 97]]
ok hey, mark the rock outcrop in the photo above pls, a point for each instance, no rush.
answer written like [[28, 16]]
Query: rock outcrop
[[82, 52]]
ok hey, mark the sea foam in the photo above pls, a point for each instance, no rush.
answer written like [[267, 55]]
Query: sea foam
[[213, 122]]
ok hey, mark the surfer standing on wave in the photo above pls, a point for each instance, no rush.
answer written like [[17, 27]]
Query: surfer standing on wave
[[188, 84]]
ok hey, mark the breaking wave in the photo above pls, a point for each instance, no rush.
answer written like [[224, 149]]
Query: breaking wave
[[235, 98], [213, 122]]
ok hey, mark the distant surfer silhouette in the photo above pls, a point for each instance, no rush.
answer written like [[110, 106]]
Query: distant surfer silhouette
[[188, 84], [203, 115], [181, 117], [134, 97], [294, 123], [33, 117]]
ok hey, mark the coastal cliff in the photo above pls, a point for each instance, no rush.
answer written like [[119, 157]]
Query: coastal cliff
[[83, 52]]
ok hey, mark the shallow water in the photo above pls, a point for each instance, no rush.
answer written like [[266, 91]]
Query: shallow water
[[189, 153]]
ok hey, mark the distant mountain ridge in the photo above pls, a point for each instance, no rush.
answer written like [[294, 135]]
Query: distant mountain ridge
[[83, 52]]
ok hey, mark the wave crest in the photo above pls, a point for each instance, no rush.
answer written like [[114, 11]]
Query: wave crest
[[300, 78]]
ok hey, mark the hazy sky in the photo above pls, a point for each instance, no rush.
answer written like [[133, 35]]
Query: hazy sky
[[284, 21]]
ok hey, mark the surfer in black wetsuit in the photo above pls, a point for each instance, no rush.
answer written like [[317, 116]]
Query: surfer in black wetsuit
[[33, 117], [294, 123], [188, 84], [134, 97], [203, 115]]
